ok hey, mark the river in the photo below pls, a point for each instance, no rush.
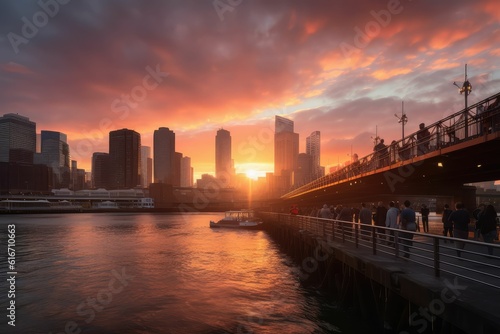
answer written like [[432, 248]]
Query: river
[[155, 273]]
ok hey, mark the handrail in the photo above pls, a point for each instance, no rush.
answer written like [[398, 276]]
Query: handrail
[[446, 132], [430, 250]]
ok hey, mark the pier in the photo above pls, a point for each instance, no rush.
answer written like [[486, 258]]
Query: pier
[[433, 291]]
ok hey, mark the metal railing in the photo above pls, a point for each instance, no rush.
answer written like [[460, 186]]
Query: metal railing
[[480, 119], [430, 251]]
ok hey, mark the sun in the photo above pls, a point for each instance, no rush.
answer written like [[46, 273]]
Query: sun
[[252, 174]]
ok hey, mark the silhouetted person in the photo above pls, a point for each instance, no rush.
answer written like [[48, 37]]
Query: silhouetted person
[[424, 211], [365, 218], [447, 224], [391, 221], [488, 226], [408, 223], [460, 219], [381, 154], [423, 140]]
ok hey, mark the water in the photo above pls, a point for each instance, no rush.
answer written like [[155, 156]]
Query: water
[[155, 273]]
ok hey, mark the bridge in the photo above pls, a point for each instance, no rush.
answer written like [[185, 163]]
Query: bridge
[[435, 161], [434, 290]]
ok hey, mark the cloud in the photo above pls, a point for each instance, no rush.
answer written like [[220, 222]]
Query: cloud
[[265, 56]]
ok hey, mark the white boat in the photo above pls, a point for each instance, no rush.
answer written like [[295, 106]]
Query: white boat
[[242, 219]]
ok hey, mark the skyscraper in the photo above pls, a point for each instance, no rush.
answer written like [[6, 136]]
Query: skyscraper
[[313, 144], [55, 154], [146, 166], [186, 172], [163, 155], [100, 170], [17, 139], [223, 162], [125, 158], [286, 147]]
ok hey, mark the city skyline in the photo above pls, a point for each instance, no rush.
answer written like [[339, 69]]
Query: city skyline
[[342, 71]]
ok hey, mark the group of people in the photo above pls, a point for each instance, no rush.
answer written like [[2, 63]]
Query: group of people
[[389, 154], [456, 224], [404, 218]]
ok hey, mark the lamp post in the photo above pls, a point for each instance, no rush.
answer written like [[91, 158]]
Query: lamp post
[[466, 89], [403, 119]]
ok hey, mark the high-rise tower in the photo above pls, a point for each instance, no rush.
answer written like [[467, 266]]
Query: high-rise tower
[[125, 158], [223, 162], [164, 155], [17, 139]]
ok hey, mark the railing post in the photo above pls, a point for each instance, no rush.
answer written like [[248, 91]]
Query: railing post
[[342, 230], [374, 240], [436, 257], [333, 230], [356, 234], [396, 243]]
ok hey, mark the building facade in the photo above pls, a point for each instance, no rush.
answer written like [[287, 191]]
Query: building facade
[[125, 159], [313, 148], [164, 155], [100, 170], [186, 172], [146, 166], [223, 162], [17, 139], [55, 154]]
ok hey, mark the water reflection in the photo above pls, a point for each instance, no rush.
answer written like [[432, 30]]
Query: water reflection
[[143, 273]]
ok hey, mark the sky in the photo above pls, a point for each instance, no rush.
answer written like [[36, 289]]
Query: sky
[[85, 68]]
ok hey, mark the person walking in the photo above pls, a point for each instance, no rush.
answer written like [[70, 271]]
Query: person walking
[[447, 224], [391, 221], [365, 218], [460, 219], [380, 216], [488, 226], [408, 223], [325, 212], [424, 211]]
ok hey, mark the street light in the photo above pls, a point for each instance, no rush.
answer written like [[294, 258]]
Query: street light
[[465, 89], [403, 119]]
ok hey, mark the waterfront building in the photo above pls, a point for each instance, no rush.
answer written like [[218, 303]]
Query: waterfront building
[[186, 172], [125, 159], [176, 177], [146, 166], [77, 177], [224, 170], [55, 154], [313, 145], [164, 155], [286, 151], [17, 139], [100, 170]]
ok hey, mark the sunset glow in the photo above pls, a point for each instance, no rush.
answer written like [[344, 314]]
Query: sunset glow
[[101, 66]]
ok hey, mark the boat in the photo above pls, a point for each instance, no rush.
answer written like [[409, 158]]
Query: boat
[[241, 219]]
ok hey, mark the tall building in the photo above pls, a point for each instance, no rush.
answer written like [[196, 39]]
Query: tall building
[[176, 178], [17, 139], [163, 155], [286, 146], [304, 172], [100, 170], [146, 166], [282, 124], [223, 163], [313, 144], [77, 177], [186, 172], [55, 154], [125, 159]]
